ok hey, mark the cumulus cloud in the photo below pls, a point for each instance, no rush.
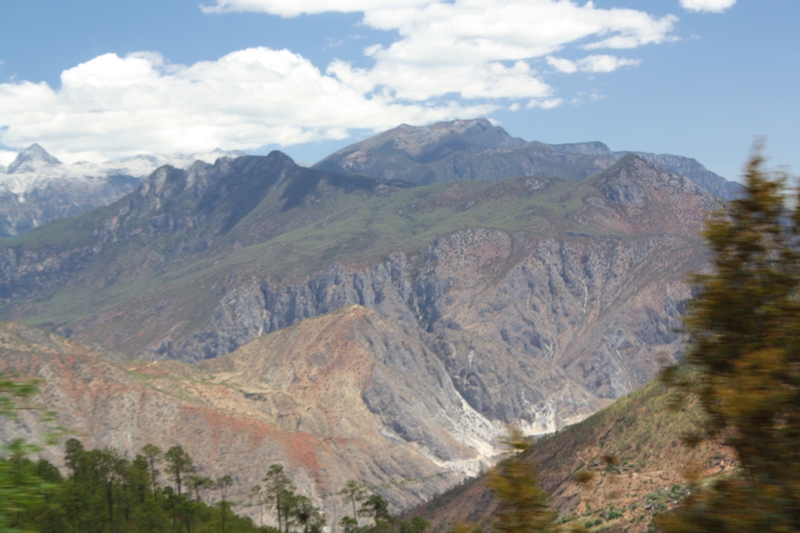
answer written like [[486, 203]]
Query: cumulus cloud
[[450, 59], [7, 157], [712, 6], [475, 48], [121, 106], [594, 63]]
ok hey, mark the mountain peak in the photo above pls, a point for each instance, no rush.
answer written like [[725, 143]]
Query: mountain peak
[[632, 181], [436, 141], [411, 146], [32, 159]]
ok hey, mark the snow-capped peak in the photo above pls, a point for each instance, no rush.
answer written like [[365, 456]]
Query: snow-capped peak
[[32, 159], [34, 168]]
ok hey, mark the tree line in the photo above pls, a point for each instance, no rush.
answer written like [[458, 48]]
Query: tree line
[[105, 492]]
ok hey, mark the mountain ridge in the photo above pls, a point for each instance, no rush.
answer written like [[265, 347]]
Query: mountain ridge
[[36, 188], [475, 149], [438, 312], [323, 415], [545, 299]]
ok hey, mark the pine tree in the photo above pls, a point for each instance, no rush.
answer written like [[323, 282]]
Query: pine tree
[[179, 464], [153, 454], [354, 492], [743, 361], [522, 503], [278, 490]]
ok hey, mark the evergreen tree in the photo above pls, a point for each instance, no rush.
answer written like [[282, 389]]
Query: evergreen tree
[[222, 485], [197, 484], [522, 503], [743, 362], [179, 465], [153, 455], [256, 496], [278, 491], [20, 488], [377, 508], [353, 492], [307, 515]]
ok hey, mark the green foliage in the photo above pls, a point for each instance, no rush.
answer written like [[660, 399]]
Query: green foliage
[[307, 516], [15, 395], [105, 493], [279, 492], [153, 456], [179, 465], [23, 484], [744, 362], [353, 492], [199, 484], [522, 503]]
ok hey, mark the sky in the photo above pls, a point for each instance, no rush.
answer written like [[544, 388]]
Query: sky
[[95, 80]]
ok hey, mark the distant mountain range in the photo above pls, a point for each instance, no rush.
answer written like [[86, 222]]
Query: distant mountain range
[[397, 324], [475, 149], [37, 188]]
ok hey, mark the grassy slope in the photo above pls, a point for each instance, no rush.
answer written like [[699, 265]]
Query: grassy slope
[[640, 431]]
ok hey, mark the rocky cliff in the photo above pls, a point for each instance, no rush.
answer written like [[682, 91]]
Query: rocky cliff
[[558, 306]]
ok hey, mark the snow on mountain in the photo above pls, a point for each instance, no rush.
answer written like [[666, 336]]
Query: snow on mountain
[[37, 188], [35, 168]]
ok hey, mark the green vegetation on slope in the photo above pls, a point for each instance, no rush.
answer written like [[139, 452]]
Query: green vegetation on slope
[[744, 362], [334, 222], [614, 471]]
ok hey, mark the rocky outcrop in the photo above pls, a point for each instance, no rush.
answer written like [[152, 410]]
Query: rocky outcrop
[[700, 175], [536, 330]]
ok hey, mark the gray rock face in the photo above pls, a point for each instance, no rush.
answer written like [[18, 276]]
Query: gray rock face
[[541, 331], [20, 214], [685, 166], [541, 326]]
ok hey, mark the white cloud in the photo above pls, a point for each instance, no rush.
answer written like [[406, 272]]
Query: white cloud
[[713, 6], [594, 64], [451, 58], [292, 8], [120, 106], [474, 48], [6, 157]]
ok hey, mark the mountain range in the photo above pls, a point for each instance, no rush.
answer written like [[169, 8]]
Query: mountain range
[[475, 149], [380, 325], [37, 188]]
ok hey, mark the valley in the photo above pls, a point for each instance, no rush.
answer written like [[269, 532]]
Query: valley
[[369, 326]]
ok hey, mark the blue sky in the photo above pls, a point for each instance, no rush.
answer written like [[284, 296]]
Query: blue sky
[[93, 79]]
